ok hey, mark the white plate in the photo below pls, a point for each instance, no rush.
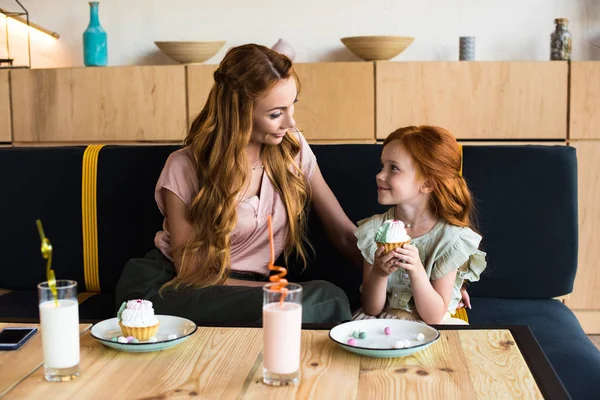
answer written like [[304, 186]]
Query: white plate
[[377, 343], [104, 331]]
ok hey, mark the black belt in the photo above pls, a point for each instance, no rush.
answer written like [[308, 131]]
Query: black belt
[[248, 276]]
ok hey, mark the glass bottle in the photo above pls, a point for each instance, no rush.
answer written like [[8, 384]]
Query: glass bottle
[[560, 40], [95, 52]]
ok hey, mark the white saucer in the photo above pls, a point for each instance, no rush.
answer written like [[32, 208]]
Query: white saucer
[[377, 343], [104, 331]]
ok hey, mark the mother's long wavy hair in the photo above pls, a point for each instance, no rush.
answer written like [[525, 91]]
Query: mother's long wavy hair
[[438, 157], [218, 138]]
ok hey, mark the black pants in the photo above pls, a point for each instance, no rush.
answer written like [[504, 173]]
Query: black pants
[[322, 302]]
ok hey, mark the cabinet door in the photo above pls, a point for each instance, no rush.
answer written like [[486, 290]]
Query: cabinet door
[[5, 134], [474, 100], [99, 104], [585, 100], [336, 100], [199, 82]]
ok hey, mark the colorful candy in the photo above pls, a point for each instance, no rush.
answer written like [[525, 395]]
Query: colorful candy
[[359, 334], [401, 344], [387, 330], [123, 339], [352, 342], [420, 337], [172, 336]]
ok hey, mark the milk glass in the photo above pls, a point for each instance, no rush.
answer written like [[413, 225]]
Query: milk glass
[[282, 329], [59, 321]]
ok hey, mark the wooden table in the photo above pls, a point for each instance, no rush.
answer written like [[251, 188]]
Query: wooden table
[[226, 363], [16, 365]]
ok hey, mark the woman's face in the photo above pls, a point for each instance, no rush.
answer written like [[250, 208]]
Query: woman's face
[[274, 113]]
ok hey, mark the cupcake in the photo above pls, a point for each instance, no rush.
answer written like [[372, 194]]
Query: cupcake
[[391, 235], [137, 319]]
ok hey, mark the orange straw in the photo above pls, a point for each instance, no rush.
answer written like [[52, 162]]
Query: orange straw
[[277, 278]]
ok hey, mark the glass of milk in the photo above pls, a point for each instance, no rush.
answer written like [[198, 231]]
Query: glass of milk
[[282, 329], [59, 322]]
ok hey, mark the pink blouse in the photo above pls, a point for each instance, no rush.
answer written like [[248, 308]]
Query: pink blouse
[[250, 236]]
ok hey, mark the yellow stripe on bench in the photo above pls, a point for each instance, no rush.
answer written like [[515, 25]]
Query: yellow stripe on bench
[[89, 217], [461, 313]]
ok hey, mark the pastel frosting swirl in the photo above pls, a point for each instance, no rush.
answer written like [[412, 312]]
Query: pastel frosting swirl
[[137, 313], [392, 231]]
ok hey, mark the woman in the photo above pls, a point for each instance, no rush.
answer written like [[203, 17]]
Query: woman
[[243, 160]]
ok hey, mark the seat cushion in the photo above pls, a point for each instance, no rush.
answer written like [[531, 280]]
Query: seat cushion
[[574, 357], [526, 198], [41, 183]]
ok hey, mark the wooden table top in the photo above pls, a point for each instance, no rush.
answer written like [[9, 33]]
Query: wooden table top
[[227, 363], [16, 365]]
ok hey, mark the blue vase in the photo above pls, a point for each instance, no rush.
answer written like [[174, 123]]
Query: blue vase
[[95, 50]]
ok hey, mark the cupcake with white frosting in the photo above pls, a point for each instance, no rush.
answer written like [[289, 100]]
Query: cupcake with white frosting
[[391, 235], [137, 319]]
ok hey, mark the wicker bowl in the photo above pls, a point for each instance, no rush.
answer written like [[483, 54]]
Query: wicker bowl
[[190, 52], [373, 48]]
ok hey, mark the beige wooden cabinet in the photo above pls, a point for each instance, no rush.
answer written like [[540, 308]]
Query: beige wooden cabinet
[[474, 100], [5, 128], [585, 299], [145, 103], [199, 82], [335, 102], [584, 132]]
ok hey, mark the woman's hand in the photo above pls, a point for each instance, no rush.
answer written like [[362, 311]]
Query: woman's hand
[[466, 300], [385, 264]]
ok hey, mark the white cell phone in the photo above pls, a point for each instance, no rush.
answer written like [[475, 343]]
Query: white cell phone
[[13, 338]]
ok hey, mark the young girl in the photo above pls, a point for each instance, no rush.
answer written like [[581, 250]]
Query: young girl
[[421, 178]]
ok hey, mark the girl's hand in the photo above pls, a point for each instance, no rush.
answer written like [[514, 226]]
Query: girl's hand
[[410, 260], [385, 264]]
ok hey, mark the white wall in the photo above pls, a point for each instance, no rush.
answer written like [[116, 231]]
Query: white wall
[[505, 29]]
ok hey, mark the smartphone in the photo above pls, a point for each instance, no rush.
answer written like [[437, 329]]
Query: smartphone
[[13, 338]]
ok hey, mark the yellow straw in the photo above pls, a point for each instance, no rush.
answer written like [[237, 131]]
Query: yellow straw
[[47, 254]]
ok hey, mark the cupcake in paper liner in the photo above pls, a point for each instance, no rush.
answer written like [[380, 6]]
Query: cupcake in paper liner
[[137, 319], [391, 235]]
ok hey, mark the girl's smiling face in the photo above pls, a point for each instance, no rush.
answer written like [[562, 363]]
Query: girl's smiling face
[[399, 181]]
